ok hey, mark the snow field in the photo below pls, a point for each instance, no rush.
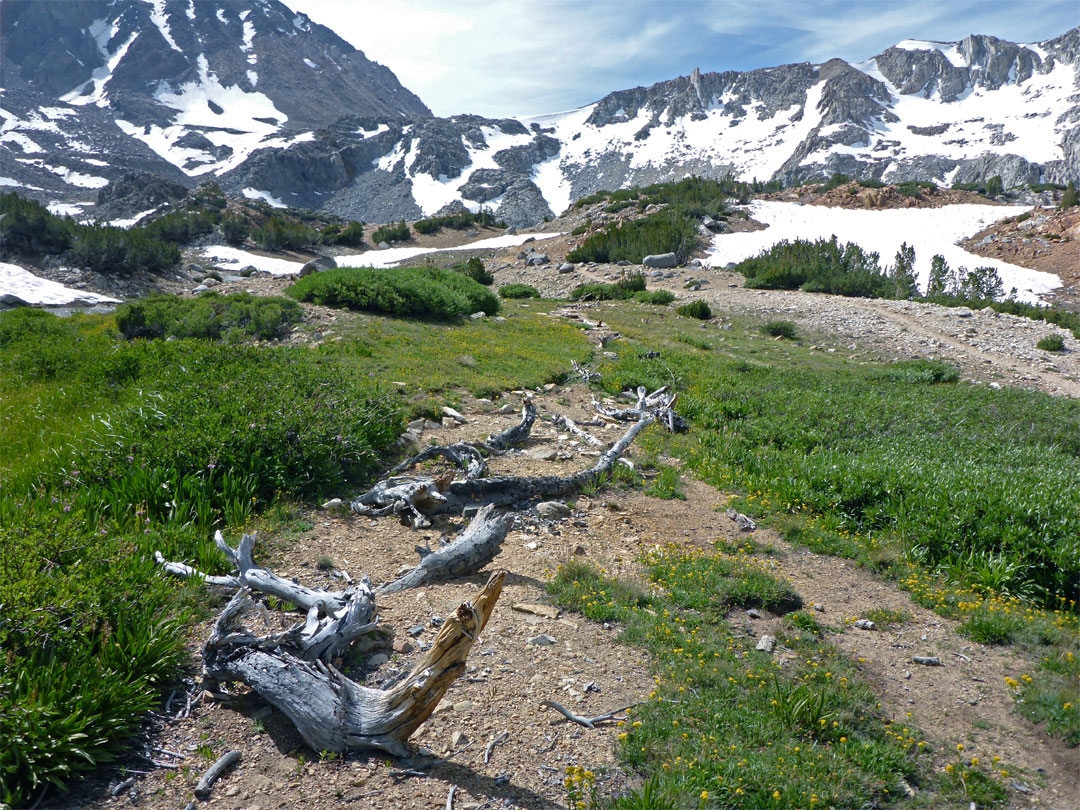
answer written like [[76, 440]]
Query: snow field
[[930, 230]]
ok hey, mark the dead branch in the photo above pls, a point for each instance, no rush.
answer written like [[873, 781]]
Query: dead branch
[[214, 772], [587, 375], [588, 722], [472, 550], [568, 424], [491, 746], [462, 454], [518, 433], [658, 402], [334, 713]]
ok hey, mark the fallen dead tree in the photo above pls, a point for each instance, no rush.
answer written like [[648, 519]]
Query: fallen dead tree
[[416, 499], [295, 670]]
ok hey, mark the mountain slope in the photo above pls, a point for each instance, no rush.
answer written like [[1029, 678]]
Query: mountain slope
[[278, 108], [182, 88]]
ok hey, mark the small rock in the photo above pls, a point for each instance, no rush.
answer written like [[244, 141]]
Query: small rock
[[383, 246], [449, 422], [552, 510], [377, 660], [507, 409], [448, 411], [753, 613], [865, 624], [402, 645], [430, 425], [210, 281], [927, 661], [547, 611], [437, 621], [416, 629], [591, 686], [907, 675], [417, 425], [542, 453], [459, 739], [579, 550], [819, 608], [542, 640], [766, 643], [330, 504], [463, 706], [566, 267]]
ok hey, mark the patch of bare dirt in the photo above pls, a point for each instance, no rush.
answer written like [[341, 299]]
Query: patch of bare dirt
[[1046, 239], [852, 195]]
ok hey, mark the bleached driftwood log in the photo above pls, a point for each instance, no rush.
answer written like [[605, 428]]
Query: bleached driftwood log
[[501, 442], [294, 670], [659, 402], [570, 426], [420, 498], [332, 712]]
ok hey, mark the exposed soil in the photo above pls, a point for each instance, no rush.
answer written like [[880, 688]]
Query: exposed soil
[[852, 195], [964, 701], [1047, 240]]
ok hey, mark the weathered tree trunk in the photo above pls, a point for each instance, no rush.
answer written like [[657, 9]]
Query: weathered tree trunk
[[333, 713]]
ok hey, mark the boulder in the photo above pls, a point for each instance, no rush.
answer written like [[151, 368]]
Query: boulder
[[662, 260], [566, 267], [317, 264], [535, 259]]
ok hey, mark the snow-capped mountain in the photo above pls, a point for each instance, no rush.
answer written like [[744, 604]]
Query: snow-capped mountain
[[276, 107], [186, 89]]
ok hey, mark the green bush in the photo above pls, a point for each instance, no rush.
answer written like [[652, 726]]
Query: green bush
[[279, 233], [580, 229], [409, 292], [350, 235], [821, 266], [209, 316], [474, 269], [235, 229], [1070, 198], [871, 183], [458, 222], [665, 231], [779, 329], [619, 291], [180, 227], [658, 297], [391, 233], [26, 226], [516, 290], [1052, 343], [695, 309]]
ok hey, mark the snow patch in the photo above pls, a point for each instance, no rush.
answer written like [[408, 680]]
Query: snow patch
[[393, 256], [8, 181], [161, 20], [950, 50], [235, 258], [265, 196], [66, 209], [929, 230], [37, 291], [310, 64], [371, 133], [92, 91], [129, 221]]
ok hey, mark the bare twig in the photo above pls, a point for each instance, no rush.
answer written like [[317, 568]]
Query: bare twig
[[588, 722], [214, 772], [450, 797], [492, 744]]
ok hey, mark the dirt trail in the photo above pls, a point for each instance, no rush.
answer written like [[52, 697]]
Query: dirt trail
[[961, 702]]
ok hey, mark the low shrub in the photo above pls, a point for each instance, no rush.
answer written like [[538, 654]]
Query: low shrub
[[695, 309], [871, 183], [658, 297], [1052, 343], [820, 266], [351, 234], [210, 316], [283, 234], [780, 329], [621, 290], [665, 231], [474, 269], [391, 233], [409, 292], [459, 222], [516, 290]]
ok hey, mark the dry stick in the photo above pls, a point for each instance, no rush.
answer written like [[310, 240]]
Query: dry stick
[[492, 744], [450, 797], [214, 772], [588, 722]]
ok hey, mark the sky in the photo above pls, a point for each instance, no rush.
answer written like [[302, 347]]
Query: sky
[[502, 58]]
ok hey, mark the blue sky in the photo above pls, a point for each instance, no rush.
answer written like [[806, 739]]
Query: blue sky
[[524, 57]]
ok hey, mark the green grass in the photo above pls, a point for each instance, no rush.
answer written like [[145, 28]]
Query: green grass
[[114, 449], [622, 289], [726, 726], [517, 290], [210, 316], [666, 485]]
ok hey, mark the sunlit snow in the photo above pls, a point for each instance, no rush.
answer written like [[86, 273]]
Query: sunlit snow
[[34, 290], [929, 230], [265, 196]]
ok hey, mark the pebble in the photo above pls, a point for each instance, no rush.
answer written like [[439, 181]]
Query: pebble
[[552, 510], [377, 660], [927, 661], [865, 624], [766, 643], [542, 640]]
